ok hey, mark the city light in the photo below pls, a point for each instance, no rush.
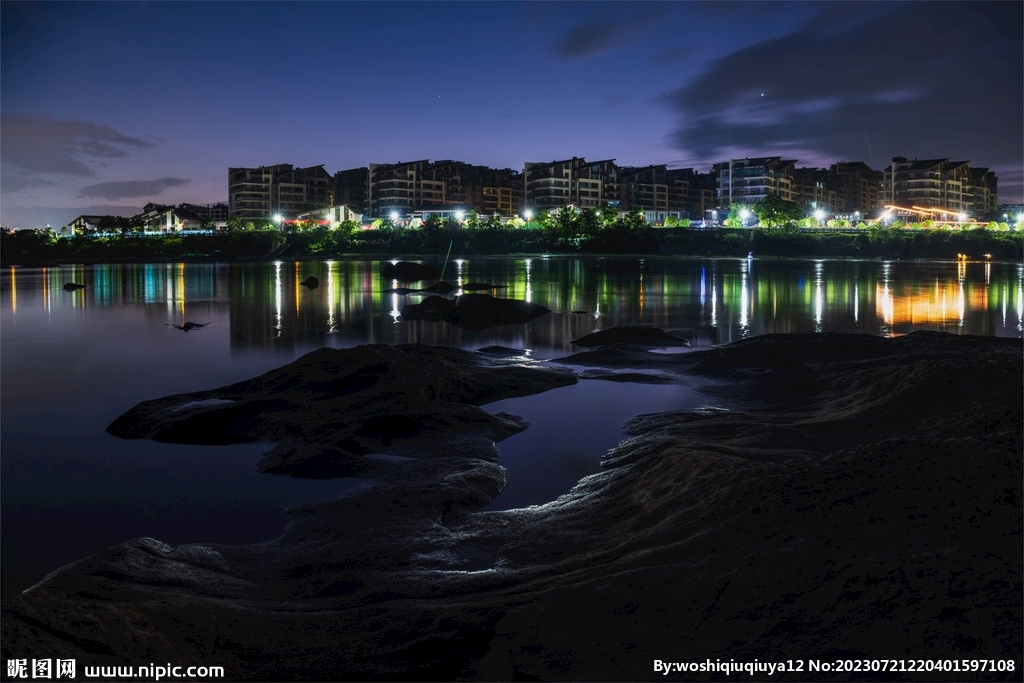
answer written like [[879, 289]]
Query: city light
[[460, 216], [278, 218], [528, 215], [819, 215], [394, 216], [744, 214]]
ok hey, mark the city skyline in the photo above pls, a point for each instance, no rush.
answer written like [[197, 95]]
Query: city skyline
[[159, 100]]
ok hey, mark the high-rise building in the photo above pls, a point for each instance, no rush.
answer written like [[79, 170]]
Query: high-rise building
[[745, 181], [351, 188], [550, 185], [937, 184], [858, 188], [265, 191]]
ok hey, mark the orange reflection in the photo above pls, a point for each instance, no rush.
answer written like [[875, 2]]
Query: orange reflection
[[943, 303], [14, 294]]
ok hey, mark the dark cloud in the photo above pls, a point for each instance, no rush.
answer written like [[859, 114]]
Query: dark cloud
[[45, 145], [924, 79], [131, 188], [609, 27]]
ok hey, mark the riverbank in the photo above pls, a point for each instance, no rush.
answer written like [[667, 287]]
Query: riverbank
[[847, 497], [30, 249]]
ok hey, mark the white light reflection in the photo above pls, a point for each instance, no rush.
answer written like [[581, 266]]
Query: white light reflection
[[714, 301], [744, 320], [332, 322], [856, 302], [529, 292], [818, 296], [394, 308], [277, 295], [703, 285]]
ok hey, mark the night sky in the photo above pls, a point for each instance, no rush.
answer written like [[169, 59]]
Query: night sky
[[106, 106]]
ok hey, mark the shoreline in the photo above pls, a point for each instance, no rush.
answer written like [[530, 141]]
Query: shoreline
[[772, 532]]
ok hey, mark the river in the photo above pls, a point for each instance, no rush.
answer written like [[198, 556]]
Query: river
[[73, 361]]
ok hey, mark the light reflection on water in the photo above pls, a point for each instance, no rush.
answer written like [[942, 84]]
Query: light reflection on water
[[73, 360]]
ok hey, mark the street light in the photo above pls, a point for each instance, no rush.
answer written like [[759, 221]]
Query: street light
[[278, 218], [460, 216], [394, 216], [819, 215], [744, 215], [528, 215]]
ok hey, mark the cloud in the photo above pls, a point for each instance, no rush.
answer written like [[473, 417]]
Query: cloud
[[924, 79], [31, 146], [609, 28], [131, 188]]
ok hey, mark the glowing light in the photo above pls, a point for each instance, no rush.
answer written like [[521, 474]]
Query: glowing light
[[394, 215], [460, 216], [528, 215], [744, 214], [278, 218], [819, 214]]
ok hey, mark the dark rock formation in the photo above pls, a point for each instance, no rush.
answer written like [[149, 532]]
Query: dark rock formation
[[847, 497], [189, 326], [631, 334], [332, 406], [71, 286], [474, 311], [480, 287], [407, 271], [310, 282], [400, 290], [440, 288]]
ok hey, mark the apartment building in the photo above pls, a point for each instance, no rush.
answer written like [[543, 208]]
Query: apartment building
[[858, 188], [748, 180], [551, 185], [265, 191], [985, 188], [929, 184], [351, 187], [402, 187], [644, 186], [811, 189]]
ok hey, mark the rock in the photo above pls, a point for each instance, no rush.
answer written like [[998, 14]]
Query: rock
[[71, 286], [439, 288], [631, 334], [862, 495], [480, 286], [474, 311], [189, 326], [400, 290], [407, 271], [310, 282]]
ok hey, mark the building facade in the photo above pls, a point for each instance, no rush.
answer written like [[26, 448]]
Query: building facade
[[745, 181], [282, 189], [586, 185], [858, 188]]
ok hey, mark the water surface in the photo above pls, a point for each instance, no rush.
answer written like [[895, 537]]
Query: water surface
[[73, 361]]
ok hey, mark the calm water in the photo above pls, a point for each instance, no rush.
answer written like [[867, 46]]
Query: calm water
[[72, 361]]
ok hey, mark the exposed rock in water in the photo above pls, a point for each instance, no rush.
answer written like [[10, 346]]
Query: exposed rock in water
[[189, 326], [440, 288], [310, 282], [480, 287], [407, 271], [400, 290], [631, 334], [474, 311], [71, 286], [331, 406], [868, 506]]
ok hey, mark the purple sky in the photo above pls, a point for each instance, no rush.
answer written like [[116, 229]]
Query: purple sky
[[109, 105]]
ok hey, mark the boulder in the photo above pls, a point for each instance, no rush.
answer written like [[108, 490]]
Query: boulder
[[636, 335], [474, 311], [480, 286], [310, 282], [408, 271], [71, 286]]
